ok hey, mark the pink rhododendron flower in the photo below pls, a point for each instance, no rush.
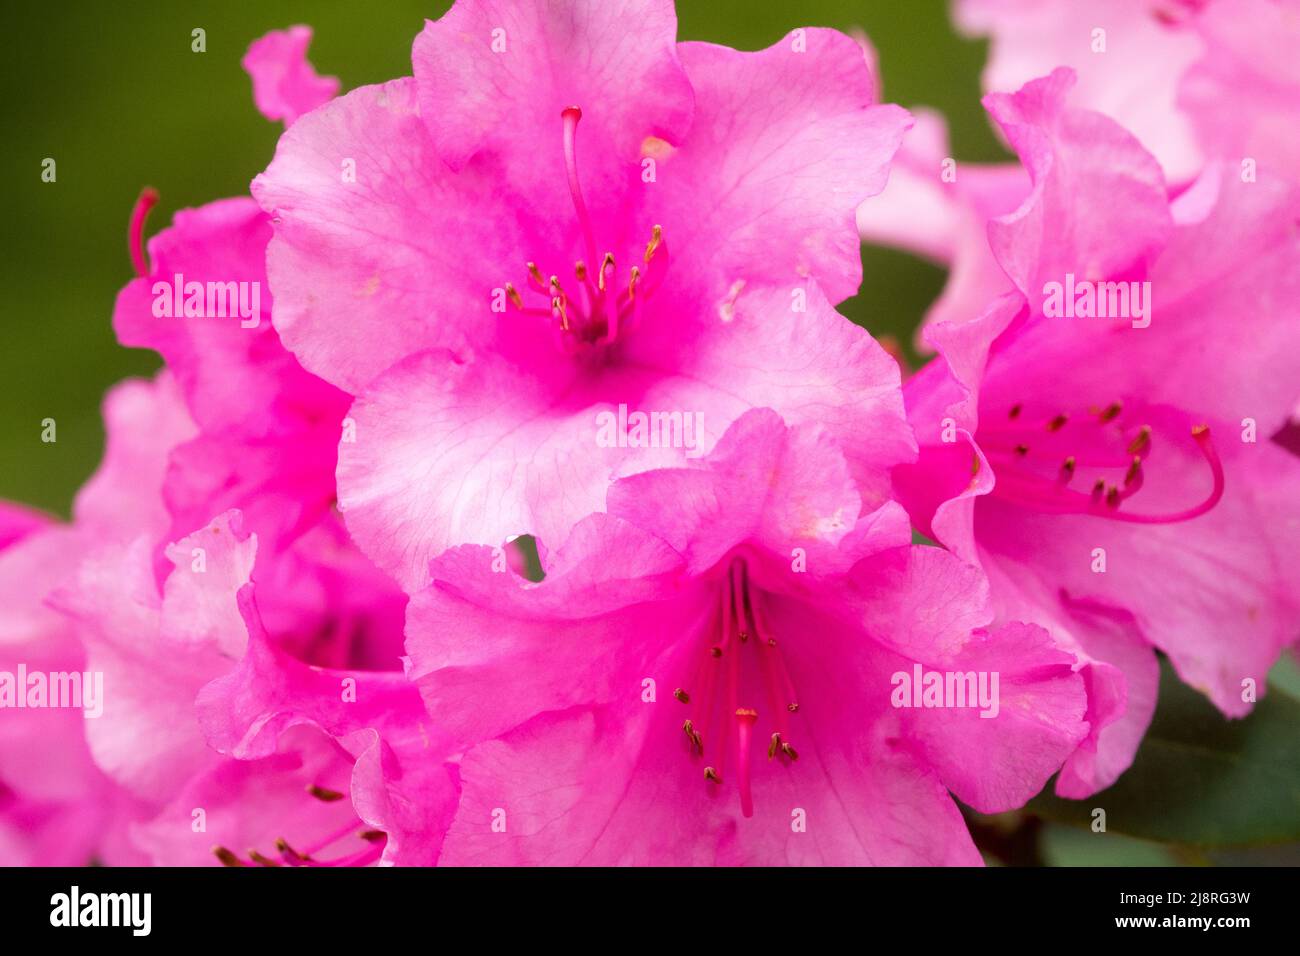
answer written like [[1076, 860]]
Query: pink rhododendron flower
[[710, 665], [1115, 477], [576, 215]]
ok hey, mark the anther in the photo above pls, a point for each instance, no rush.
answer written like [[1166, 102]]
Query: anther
[[1022, 450], [631, 285], [1111, 412], [790, 751], [536, 273], [1098, 490], [1057, 423], [656, 237], [289, 853], [1112, 497], [681, 695], [580, 270], [513, 295], [605, 264], [711, 774], [1067, 469], [774, 746], [226, 857], [1015, 411], [1139, 443], [793, 708], [372, 836], [262, 860], [1134, 469], [715, 651], [320, 793]]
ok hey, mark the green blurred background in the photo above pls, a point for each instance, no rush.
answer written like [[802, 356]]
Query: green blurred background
[[114, 94]]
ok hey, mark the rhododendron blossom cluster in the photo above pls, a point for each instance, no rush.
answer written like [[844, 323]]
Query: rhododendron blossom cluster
[[513, 492]]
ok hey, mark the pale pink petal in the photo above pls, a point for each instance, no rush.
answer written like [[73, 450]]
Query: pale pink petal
[[1248, 62], [1130, 72], [144, 421], [249, 805]]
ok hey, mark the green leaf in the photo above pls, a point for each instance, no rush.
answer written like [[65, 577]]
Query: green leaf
[[1200, 779]]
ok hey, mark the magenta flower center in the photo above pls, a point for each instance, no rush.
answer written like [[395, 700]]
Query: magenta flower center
[[740, 666], [597, 305], [1042, 466]]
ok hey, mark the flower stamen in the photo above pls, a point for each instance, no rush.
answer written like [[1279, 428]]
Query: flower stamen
[[1118, 453]]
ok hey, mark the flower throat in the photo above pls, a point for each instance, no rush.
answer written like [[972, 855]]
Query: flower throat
[[596, 309], [724, 718]]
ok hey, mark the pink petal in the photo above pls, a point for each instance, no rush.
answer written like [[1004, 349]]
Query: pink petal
[[776, 487], [1249, 62], [144, 421], [996, 763], [596, 590], [1084, 168], [480, 451], [248, 805], [285, 84], [1134, 81], [819, 134], [398, 783], [233, 374], [364, 271], [488, 69]]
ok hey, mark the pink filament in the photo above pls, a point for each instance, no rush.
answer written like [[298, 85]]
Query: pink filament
[[135, 232]]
